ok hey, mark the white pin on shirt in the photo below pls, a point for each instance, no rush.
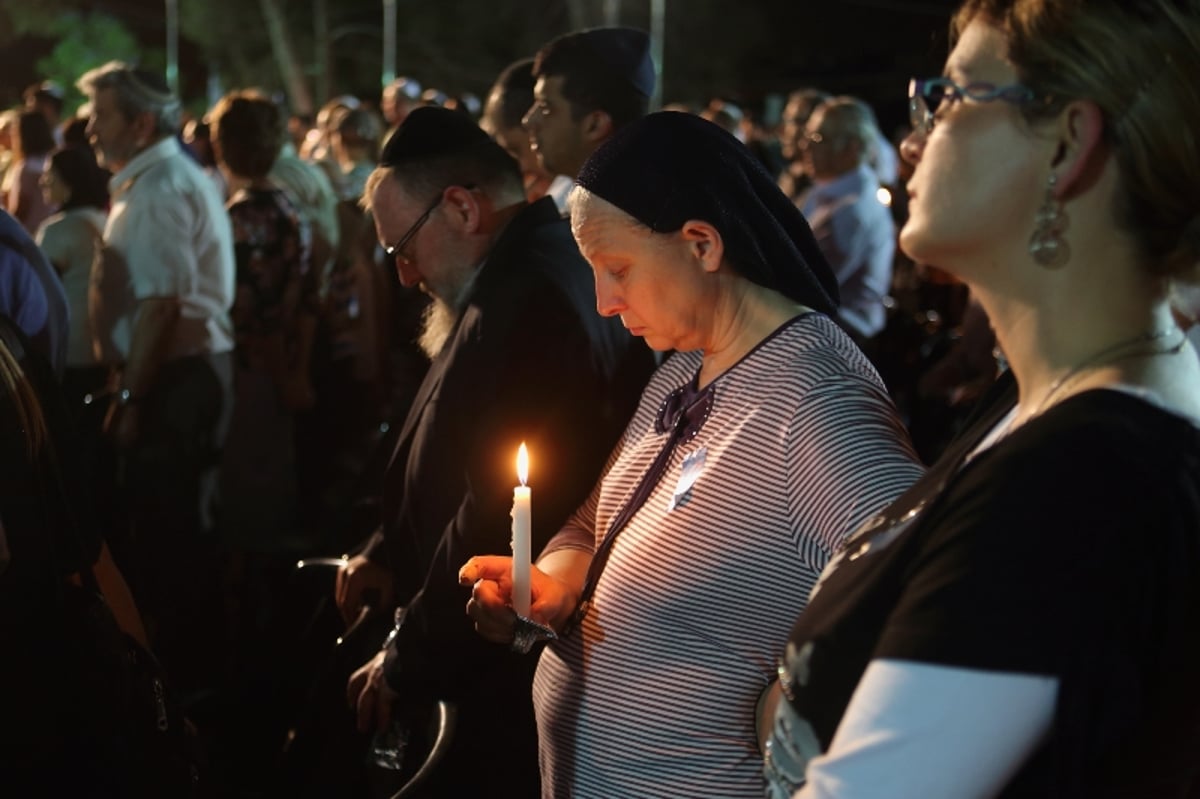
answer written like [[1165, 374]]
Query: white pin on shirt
[[693, 465]]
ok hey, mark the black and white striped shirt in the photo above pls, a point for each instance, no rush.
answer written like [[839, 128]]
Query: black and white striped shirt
[[655, 693]]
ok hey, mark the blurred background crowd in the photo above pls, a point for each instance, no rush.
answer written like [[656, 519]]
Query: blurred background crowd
[[911, 316], [326, 340]]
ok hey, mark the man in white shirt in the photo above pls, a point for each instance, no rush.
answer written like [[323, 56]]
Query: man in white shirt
[[855, 230], [169, 286]]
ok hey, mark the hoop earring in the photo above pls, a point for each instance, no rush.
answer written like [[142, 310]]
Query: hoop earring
[[1046, 245]]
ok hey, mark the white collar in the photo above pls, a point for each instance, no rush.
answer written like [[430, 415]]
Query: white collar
[[161, 150]]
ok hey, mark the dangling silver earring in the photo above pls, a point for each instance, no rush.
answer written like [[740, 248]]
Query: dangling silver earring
[[1046, 245]]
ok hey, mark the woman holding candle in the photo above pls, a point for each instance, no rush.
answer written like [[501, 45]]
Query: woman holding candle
[[1023, 622], [756, 447]]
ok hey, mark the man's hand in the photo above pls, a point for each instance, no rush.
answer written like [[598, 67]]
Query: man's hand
[[370, 696], [121, 424], [357, 579]]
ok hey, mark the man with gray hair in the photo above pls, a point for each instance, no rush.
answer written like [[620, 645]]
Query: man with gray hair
[[853, 227], [164, 302]]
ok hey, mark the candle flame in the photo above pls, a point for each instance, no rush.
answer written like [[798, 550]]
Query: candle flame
[[523, 463]]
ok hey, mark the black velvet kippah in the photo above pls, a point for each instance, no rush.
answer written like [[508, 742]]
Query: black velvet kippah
[[431, 131], [626, 51], [669, 167]]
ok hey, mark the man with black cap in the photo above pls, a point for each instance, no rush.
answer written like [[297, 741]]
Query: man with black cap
[[590, 84], [519, 355]]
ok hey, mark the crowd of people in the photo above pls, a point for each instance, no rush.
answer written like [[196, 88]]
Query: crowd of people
[[860, 469]]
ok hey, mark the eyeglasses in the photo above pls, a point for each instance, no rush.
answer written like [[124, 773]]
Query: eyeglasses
[[397, 250], [927, 97]]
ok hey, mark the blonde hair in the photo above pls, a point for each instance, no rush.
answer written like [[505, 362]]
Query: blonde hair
[[1138, 62]]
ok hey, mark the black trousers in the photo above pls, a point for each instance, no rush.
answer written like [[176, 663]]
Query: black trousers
[[168, 481]]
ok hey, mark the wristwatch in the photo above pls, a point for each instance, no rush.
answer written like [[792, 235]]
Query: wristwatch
[[399, 620]]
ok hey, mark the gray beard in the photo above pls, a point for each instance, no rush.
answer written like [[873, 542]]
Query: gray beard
[[436, 325], [439, 319]]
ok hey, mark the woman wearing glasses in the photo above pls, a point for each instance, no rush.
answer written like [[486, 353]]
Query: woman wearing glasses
[[1023, 621]]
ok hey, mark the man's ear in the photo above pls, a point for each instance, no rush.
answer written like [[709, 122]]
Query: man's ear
[[597, 126], [1081, 152], [705, 243], [144, 126], [464, 204]]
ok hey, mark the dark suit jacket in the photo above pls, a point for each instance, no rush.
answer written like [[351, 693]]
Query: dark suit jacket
[[529, 360]]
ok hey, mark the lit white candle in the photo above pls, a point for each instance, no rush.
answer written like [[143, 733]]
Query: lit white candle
[[520, 536]]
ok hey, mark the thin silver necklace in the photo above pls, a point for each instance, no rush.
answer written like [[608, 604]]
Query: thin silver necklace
[[1111, 354]]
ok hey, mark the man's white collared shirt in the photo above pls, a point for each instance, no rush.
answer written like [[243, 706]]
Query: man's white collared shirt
[[170, 228]]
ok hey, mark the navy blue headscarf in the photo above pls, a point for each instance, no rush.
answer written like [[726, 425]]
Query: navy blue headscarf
[[669, 167]]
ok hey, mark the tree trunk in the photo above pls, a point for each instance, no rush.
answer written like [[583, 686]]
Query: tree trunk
[[281, 46], [321, 50], [612, 13], [577, 12]]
